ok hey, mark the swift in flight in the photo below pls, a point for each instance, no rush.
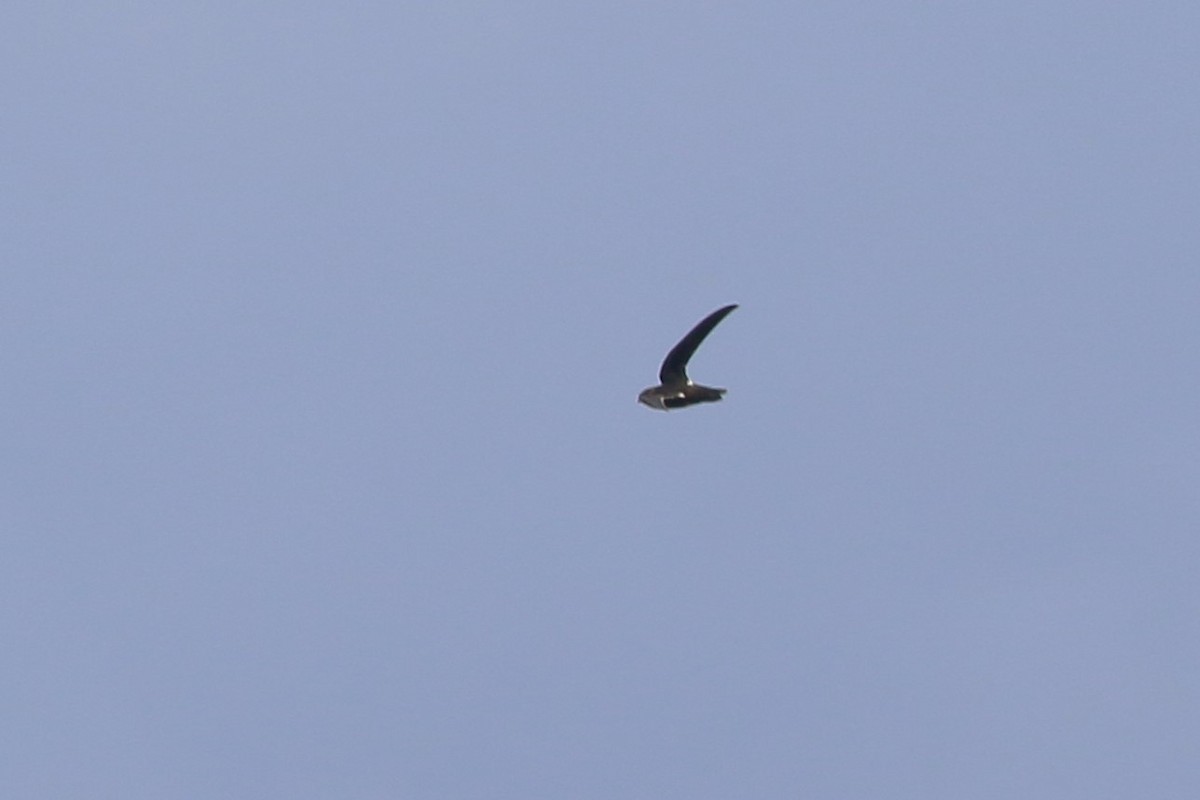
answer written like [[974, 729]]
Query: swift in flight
[[676, 389]]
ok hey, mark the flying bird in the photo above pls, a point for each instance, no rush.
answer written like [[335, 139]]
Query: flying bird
[[676, 389]]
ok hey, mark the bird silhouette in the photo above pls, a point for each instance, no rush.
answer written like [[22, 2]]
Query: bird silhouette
[[676, 389]]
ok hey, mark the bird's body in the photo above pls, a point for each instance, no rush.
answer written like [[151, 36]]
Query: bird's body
[[676, 390]]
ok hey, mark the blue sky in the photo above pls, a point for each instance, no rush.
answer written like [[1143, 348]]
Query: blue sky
[[323, 470]]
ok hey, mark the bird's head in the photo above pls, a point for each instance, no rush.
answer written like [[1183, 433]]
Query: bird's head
[[653, 398]]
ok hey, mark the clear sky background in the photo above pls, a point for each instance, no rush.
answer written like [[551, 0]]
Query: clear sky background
[[323, 476]]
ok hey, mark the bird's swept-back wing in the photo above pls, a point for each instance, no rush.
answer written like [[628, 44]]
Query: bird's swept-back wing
[[674, 366]]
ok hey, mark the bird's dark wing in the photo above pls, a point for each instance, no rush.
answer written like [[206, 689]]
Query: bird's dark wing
[[674, 366]]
